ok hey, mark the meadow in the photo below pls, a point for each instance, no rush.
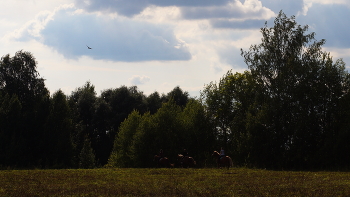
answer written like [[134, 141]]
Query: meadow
[[172, 182]]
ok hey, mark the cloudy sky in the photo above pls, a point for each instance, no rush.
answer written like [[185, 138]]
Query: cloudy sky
[[154, 44]]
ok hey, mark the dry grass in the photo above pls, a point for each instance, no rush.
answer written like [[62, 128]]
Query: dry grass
[[172, 182]]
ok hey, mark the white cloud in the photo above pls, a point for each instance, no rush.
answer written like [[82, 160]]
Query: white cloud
[[139, 80], [117, 39], [155, 14], [32, 28]]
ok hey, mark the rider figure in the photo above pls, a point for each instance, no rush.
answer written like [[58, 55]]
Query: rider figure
[[161, 154], [222, 154], [185, 153], [184, 156]]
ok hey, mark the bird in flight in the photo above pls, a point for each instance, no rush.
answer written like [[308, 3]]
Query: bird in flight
[[88, 47]]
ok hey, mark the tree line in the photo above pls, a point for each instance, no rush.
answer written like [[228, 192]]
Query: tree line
[[289, 110], [59, 131]]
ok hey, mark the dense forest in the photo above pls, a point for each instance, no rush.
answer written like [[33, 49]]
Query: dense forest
[[289, 110]]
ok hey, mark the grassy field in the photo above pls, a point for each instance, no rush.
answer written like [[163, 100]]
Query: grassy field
[[172, 182]]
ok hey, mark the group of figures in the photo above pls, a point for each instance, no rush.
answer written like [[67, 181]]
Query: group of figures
[[183, 159], [186, 161]]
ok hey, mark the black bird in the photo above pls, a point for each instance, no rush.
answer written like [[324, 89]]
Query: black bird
[[88, 47]]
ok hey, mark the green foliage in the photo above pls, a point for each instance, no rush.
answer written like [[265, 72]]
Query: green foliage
[[154, 102], [227, 105], [123, 142], [179, 96], [197, 136], [114, 107], [87, 156], [143, 149], [170, 128], [81, 103]]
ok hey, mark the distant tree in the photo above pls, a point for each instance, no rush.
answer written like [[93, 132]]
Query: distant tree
[[337, 147], [59, 148], [122, 154], [11, 141], [143, 147], [179, 96], [197, 135], [102, 123], [87, 156], [154, 102], [226, 103], [122, 101], [171, 128], [142, 136], [125, 100], [167, 134], [81, 103]]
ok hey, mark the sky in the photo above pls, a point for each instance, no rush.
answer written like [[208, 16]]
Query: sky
[[155, 44]]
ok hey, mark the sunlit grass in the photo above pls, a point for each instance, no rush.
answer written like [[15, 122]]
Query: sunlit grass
[[172, 182]]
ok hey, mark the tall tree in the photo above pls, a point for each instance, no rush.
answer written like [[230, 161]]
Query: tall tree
[[18, 75], [20, 79], [81, 103], [300, 88]]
